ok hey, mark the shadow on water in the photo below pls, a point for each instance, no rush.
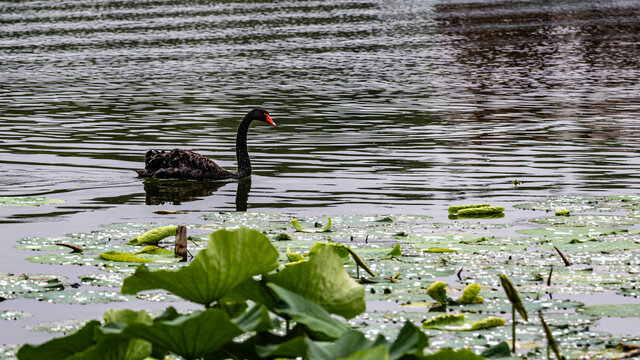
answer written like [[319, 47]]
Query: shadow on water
[[176, 192]]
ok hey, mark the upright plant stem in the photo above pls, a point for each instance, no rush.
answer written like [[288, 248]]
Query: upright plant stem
[[513, 328]]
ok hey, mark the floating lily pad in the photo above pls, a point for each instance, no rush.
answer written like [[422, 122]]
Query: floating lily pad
[[566, 234], [13, 315], [28, 201], [617, 310], [64, 326], [588, 220], [13, 286], [79, 297]]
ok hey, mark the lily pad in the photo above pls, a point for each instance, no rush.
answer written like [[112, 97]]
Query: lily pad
[[28, 201], [79, 297], [617, 310], [63, 327], [457, 322], [13, 315]]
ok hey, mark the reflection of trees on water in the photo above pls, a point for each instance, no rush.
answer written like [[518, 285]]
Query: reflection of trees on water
[[161, 191], [533, 61]]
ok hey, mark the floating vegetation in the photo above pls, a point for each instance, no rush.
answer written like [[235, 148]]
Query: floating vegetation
[[63, 327], [296, 225], [604, 250], [13, 315], [457, 322], [28, 201], [563, 212], [78, 297], [153, 236]]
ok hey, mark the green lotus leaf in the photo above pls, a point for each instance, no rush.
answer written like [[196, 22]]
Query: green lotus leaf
[[375, 353], [470, 295], [153, 236], [481, 210], [396, 252], [455, 209], [61, 348], [341, 250], [448, 354], [300, 310], [438, 250], [293, 256], [296, 225], [600, 221], [457, 322], [231, 258], [292, 348], [127, 316], [438, 292], [324, 281], [123, 257], [499, 350], [190, 336], [28, 201]]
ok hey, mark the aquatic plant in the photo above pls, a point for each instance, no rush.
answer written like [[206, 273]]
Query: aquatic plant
[[237, 266], [516, 304]]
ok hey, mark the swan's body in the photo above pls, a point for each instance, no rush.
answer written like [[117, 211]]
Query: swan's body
[[185, 164]]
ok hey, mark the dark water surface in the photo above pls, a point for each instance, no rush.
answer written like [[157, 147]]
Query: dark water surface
[[382, 106]]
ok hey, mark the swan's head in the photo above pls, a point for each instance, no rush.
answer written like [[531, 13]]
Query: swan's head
[[261, 115]]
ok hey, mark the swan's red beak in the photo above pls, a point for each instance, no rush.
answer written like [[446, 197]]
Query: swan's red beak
[[269, 120]]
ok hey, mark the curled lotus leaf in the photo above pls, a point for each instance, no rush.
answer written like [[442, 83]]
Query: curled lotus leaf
[[296, 225], [470, 295], [457, 322], [513, 296]]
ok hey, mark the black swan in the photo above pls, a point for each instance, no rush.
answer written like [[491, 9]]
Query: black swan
[[184, 164]]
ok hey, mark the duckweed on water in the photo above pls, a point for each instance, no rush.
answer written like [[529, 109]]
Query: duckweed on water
[[28, 201]]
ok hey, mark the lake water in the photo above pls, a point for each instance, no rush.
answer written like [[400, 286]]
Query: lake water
[[382, 106]]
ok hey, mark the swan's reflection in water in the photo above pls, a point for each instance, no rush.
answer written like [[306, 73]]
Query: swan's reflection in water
[[176, 192]]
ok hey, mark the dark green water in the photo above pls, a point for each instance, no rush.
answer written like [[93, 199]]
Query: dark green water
[[382, 106]]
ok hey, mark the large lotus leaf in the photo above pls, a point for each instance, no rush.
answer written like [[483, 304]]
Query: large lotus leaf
[[448, 354], [324, 281], [231, 258], [293, 348], [61, 348], [190, 336], [618, 310], [27, 201], [376, 353], [116, 348], [305, 312], [351, 341]]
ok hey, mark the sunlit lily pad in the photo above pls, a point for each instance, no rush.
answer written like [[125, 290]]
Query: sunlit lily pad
[[565, 234], [617, 310], [28, 201], [13, 286], [64, 326], [13, 315], [588, 220], [79, 297]]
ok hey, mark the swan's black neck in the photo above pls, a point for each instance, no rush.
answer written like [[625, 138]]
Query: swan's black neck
[[244, 163]]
